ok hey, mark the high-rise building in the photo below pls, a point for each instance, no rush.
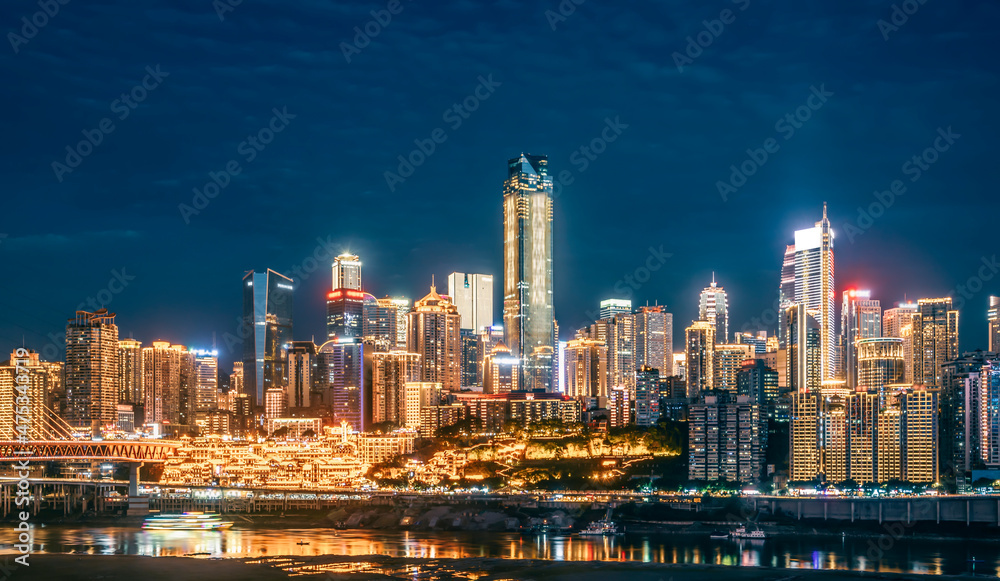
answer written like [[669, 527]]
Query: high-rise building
[[586, 368], [648, 386], [402, 305], [813, 288], [803, 349], [680, 365], [166, 375], [861, 318], [918, 435], [391, 373], [619, 334], [421, 398], [92, 369], [724, 434], [619, 407], [758, 341], [880, 364], [345, 313], [500, 371], [700, 357], [346, 272], [380, 321], [898, 322], [970, 412], [713, 306], [471, 359], [528, 313], [654, 339], [611, 307], [130, 372], [267, 318], [993, 319], [473, 295], [433, 333], [729, 359], [302, 374], [236, 379], [26, 388], [935, 339], [345, 368], [760, 383], [275, 403], [804, 434], [204, 392]]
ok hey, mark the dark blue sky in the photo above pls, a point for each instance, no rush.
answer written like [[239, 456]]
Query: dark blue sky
[[323, 175]]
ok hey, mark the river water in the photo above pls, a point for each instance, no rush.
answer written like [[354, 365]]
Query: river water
[[883, 554]]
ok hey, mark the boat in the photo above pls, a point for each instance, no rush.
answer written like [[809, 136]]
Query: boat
[[744, 533], [189, 521], [302, 543], [719, 535], [602, 528]]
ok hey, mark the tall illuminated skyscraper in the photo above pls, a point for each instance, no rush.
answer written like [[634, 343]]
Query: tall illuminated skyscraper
[[860, 318], [813, 287], [935, 339], [402, 305], [700, 356], [586, 368], [204, 391], [529, 317], [130, 372], [346, 272], [473, 295], [993, 316], [267, 318], [434, 334], [302, 373], [92, 369], [713, 306], [898, 322], [654, 339], [612, 307]]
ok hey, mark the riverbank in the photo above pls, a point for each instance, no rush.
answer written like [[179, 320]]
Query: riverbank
[[375, 567]]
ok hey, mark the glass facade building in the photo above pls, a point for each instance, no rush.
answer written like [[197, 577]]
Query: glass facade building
[[267, 321]]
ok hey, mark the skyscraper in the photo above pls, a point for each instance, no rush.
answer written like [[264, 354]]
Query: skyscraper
[[612, 307], [500, 372], [345, 369], [302, 373], [473, 295], [390, 374], [700, 357], [898, 322], [861, 318], [529, 317], [130, 372], [402, 305], [935, 339], [586, 368], [993, 317], [165, 370], [729, 359], [204, 393], [267, 318], [654, 339], [43, 381], [92, 369], [345, 313], [880, 364], [802, 352], [813, 287], [380, 322], [346, 272], [433, 333], [648, 386], [713, 306]]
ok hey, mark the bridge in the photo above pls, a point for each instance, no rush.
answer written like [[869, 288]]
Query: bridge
[[108, 451]]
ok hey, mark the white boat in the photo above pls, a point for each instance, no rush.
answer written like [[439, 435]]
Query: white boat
[[745, 533], [718, 535], [189, 521], [601, 528]]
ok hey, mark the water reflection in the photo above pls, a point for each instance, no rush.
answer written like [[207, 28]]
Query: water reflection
[[794, 552]]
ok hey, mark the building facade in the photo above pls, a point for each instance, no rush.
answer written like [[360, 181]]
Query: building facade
[[92, 381]]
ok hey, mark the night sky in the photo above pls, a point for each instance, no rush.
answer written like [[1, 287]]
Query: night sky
[[548, 82]]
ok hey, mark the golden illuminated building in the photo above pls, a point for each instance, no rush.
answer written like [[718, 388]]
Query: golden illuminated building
[[728, 361], [500, 370], [92, 369], [586, 368], [935, 339], [433, 332], [700, 355], [391, 372]]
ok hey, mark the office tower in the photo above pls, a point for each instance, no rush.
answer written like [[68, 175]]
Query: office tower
[[267, 318], [647, 396], [611, 307], [898, 322], [345, 369], [919, 438], [275, 404], [346, 272], [433, 333], [26, 388], [700, 357], [391, 373], [812, 287], [728, 361], [654, 339], [680, 364], [345, 313], [130, 372], [92, 369], [528, 314], [620, 339], [803, 349], [402, 305], [163, 366], [500, 371], [473, 295], [935, 339], [471, 359], [993, 319], [880, 364], [724, 434], [860, 318], [586, 368], [862, 444], [758, 341], [205, 388], [804, 454], [619, 407], [302, 374], [970, 420], [758, 382], [713, 306]]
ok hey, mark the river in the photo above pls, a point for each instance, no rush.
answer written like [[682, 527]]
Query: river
[[883, 554]]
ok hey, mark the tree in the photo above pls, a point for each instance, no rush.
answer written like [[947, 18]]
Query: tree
[[280, 432]]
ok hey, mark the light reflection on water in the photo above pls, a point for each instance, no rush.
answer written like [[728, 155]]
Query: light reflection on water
[[793, 552]]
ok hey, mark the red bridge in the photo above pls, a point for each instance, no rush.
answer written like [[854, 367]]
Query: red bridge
[[111, 450]]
